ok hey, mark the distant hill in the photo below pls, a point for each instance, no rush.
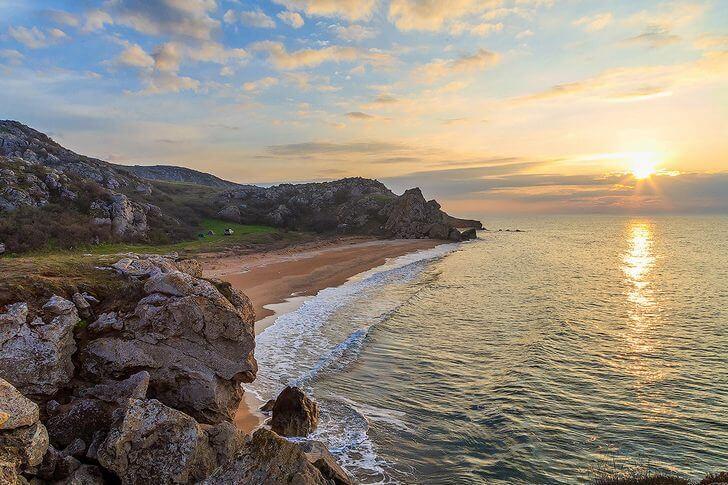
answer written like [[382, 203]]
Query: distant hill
[[52, 197], [171, 173]]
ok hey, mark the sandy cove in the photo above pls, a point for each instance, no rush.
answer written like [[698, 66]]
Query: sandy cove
[[272, 277]]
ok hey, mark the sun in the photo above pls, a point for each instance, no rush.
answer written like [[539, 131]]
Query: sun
[[643, 167]]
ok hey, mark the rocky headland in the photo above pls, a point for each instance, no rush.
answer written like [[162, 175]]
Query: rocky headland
[[139, 385], [80, 200]]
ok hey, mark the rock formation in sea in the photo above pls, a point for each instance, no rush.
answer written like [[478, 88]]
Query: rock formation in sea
[[294, 414], [142, 389]]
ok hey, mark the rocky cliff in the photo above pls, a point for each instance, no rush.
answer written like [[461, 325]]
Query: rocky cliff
[[51, 196], [138, 386], [351, 205]]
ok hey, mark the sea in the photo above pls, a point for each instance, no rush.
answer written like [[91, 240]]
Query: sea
[[581, 345]]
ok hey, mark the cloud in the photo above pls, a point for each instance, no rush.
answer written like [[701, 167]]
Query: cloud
[[96, 20], [260, 84], [257, 18], [61, 17], [353, 32], [169, 83], [282, 59], [135, 56], [293, 19], [177, 18], [439, 68], [385, 99], [318, 148], [639, 82], [351, 10], [358, 115], [596, 22], [524, 34], [167, 57], [34, 38], [655, 38], [428, 14], [710, 42], [12, 56]]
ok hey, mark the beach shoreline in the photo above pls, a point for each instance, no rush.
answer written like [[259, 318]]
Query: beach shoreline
[[279, 281]]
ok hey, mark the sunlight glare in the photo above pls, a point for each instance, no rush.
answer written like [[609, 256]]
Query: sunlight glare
[[643, 167]]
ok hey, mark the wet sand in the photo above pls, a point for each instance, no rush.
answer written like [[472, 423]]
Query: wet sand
[[278, 281]]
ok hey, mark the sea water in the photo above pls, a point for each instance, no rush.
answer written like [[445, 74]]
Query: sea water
[[583, 343]]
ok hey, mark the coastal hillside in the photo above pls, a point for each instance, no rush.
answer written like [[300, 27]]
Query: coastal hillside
[[171, 173], [52, 197]]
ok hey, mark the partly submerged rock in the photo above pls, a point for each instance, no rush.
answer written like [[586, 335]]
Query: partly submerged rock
[[294, 414], [268, 459], [468, 234]]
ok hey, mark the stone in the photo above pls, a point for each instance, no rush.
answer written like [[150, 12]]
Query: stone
[[79, 419], [27, 443], [321, 458], [106, 321], [76, 449], [294, 414], [266, 458], [194, 337], [36, 356], [134, 387], [226, 440], [152, 443], [2, 248], [16, 409], [268, 406], [469, 234], [82, 306]]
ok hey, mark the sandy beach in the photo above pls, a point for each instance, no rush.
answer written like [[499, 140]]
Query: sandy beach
[[276, 281]]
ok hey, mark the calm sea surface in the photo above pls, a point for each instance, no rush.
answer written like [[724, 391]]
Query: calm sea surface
[[533, 357]]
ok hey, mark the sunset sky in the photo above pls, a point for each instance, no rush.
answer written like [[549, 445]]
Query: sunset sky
[[489, 106]]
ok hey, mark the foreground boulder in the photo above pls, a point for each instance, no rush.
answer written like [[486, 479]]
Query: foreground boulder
[[294, 414], [23, 439], [35, 354], [193, 336], [150, 442], [266, 458]]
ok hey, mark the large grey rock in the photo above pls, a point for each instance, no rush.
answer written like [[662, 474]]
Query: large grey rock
[[36, 355], [27, 443], [79, 419], [294, 414], [412, 216], [152, 443], [268, 459], [194, 337], [16, 410]]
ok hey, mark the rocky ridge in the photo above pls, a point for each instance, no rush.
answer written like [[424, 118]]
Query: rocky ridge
[[351, 205], [139, 386]]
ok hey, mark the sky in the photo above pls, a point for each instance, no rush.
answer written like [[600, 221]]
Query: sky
[[490, 106]]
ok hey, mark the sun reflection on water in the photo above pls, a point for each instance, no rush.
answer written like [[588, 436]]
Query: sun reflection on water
[[637, 264]]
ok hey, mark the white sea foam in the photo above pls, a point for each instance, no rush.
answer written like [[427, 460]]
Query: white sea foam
[[325, 334]]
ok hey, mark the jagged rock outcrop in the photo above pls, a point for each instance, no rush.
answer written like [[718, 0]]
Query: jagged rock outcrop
[[148, 394], [194, 337], [23, 439], [150, 442], [351, 205], [294, 414], [35, 354], [268, 458]]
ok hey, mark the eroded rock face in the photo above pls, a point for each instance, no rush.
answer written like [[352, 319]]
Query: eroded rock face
[[36, 355], [268, 458], [294, 414], [195, 339], [152, 443], [321, 458], [414, 217], [23, 438]]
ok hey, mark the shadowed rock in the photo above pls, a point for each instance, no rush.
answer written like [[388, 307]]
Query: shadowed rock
[[268, 459], [294, 414], [321, 458]]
